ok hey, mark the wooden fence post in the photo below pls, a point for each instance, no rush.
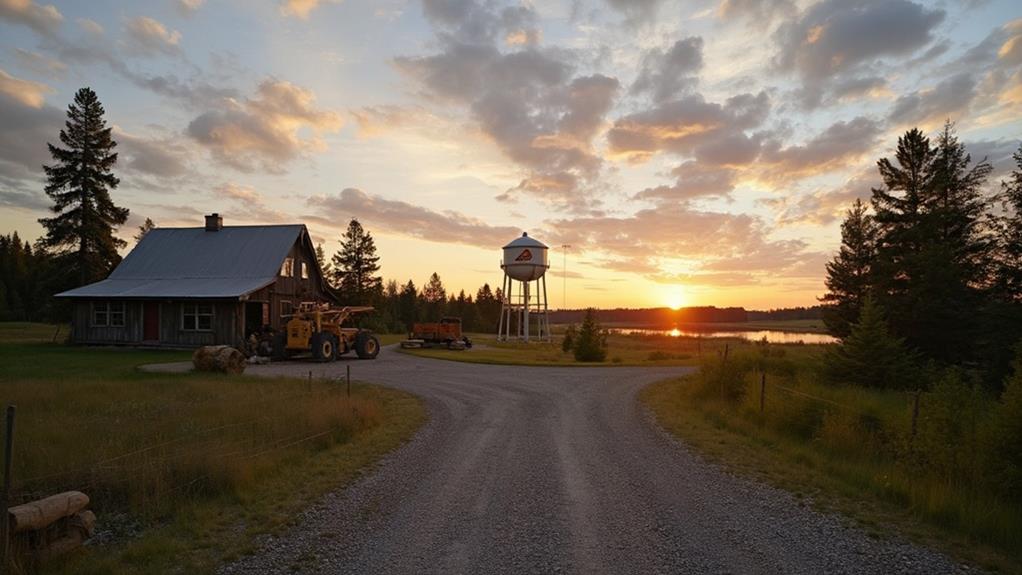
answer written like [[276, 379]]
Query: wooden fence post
[[5, 497], [915, 412], [762, 391]]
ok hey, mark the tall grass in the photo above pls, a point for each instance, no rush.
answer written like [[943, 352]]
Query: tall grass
[[863, 439], [184, 471]]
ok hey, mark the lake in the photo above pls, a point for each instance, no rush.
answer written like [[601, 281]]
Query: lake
[[771, 335]]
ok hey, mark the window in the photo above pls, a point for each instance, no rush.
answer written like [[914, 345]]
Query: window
[[197, 317], [305, 271], [287, 270], [285, 308], [108, 314]]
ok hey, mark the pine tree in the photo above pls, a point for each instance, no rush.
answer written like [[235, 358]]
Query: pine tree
[[324, 266], [434, 298], [79, 183], [848, 274], [355, 266], [591, 342], [489, 308], [870, 356], [144, 229], [1009, 264], [409, 305]]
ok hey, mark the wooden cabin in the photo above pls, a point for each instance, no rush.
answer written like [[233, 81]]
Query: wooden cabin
[[187, 287]]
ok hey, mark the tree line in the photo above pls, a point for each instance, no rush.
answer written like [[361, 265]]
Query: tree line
[[352, 273], [929, 272]]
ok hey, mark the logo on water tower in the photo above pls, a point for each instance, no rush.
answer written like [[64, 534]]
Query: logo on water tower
[[525, 256]]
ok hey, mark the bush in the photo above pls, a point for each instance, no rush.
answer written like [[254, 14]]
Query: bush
[[568, 343], [1004, 438], [723, 377], [591, 344], [948, 436]]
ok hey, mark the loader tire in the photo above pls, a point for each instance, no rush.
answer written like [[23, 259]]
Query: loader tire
[[367, 346], [324, 346]]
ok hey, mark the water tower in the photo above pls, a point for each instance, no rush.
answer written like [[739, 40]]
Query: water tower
[[522, 313]]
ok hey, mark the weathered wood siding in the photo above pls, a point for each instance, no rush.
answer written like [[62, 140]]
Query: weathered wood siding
[[86, 332]]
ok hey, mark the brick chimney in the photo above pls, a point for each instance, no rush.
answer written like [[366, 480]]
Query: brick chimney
[[214, 223]]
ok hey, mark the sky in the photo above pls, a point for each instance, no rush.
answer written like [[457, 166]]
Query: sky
[[689, 153]]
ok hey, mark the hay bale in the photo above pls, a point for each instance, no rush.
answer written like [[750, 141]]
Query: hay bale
[[219, 358]]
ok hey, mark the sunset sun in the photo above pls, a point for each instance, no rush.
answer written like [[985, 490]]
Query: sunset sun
[[675, 297]]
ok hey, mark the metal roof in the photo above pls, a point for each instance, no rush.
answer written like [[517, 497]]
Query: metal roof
[[195, 263], [525, 242]]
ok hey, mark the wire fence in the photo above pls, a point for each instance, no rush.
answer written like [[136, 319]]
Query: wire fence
[[157, 466]]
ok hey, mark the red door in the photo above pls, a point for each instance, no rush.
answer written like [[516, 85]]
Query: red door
[[151, 321]]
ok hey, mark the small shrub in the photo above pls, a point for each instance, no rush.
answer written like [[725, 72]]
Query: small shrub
[[591, 344], [723, 377], [1003, 440], [568, 343]]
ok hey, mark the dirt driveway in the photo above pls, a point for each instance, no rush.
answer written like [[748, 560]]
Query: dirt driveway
[[556, 470]]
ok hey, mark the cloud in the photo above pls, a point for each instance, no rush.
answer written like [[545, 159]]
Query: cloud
[[266, 130], [527, 101], [647, 240], [27, 92], [666, 75], [835, 39], [40, 64], [26, 129], [948, 98], [758, 12], [694, 180], [636, 11], [32, 201], [828, 204], [188, 7], [299, 8], [160, 157], [148, 36], [836, 146], [406, 219], [43, 19], [248, 204], [692, 126]]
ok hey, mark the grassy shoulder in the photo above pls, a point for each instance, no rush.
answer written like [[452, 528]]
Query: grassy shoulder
[[184, 470], [623, 350], [821, 455]]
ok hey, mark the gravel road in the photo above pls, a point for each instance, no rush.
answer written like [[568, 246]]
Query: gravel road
[[556, 470]]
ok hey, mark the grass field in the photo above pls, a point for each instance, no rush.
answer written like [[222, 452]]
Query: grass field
[[183, 470], [846, 449], [625, 350]]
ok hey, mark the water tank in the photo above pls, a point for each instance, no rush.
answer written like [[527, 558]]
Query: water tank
[[525, 259]]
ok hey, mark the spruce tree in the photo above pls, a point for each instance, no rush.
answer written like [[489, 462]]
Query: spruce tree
[[870, 356], [355, 266], [408, 305], [434, 298], [848, 274], [1009, 264], [79, 183], [590, 343], [324, 266], [144, 229]]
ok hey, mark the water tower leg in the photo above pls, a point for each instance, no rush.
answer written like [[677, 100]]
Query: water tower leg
[[525, 320]]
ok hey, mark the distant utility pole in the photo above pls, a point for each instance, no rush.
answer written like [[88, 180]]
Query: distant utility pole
[[564, 276]]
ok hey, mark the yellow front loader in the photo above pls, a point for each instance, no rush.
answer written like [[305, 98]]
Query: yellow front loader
[[316, 329]]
